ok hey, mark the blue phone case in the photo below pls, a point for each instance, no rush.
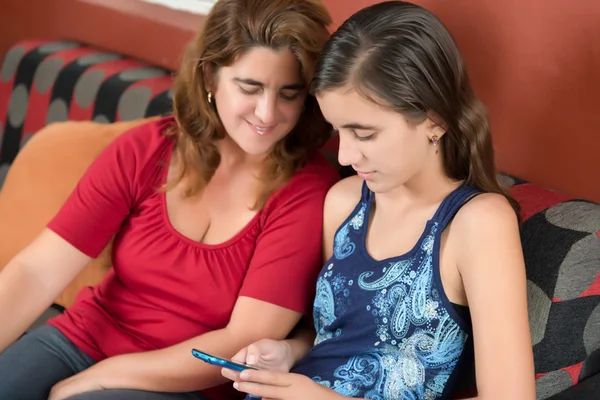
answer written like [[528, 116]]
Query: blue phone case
[[221, 362]]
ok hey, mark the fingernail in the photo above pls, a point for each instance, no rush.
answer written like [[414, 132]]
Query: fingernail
[[235, 385], [251, 359]]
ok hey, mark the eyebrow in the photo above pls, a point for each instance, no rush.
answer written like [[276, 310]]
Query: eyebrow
[[360, 127], [252, 82]]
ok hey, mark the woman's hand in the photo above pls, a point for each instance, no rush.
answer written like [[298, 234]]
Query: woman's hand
[[88, 380], [272, 355], [270, 385]]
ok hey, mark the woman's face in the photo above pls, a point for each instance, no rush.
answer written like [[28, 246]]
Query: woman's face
[[260, 98], [382, 147]]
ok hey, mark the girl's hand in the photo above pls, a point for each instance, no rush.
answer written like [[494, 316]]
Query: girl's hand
[[272, 355], [272, 385]]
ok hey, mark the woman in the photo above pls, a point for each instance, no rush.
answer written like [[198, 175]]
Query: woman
[[424, 263], [214, 211]]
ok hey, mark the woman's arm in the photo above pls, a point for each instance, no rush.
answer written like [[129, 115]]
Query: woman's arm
[[33, 279], [174, 369], [490, 260]]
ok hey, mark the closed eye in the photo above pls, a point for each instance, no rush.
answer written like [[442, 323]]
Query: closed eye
[[363, 138], [290, 96], [285, 96], [249, 91]]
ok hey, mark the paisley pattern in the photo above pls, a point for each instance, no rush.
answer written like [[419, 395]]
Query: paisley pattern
[[324, 300], [343, 247], [383, 331]]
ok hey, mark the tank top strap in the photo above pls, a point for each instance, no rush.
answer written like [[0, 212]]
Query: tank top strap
[[361, 212], [452, 203], [366, 194]]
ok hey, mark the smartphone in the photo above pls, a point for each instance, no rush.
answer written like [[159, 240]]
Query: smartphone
[[221, 362]]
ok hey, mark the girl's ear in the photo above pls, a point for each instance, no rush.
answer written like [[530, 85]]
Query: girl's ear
[[435, 125]]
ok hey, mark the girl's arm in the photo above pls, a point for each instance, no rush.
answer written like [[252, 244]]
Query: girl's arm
[[490, 260]]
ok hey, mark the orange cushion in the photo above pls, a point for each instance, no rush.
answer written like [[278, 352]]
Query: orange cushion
[[39, 181]]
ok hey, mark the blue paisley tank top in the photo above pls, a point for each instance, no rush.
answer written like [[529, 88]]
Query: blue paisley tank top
[[385, 329]]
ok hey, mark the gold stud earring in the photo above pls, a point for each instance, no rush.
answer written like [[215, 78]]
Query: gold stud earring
[[435, 140], [209, 97]]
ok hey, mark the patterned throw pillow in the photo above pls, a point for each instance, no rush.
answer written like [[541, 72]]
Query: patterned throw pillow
[[561, 243], [53, 81]]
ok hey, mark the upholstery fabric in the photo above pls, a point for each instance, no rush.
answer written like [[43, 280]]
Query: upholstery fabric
[[561, 244], [51, 81]]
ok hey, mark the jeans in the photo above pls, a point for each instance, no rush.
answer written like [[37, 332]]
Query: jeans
[[40, 359]]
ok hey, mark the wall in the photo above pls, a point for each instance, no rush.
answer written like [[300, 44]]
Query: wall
[[139, 29], [534, 63]]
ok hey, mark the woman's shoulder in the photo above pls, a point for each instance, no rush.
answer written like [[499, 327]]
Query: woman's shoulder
[[147, 143], [146, 135], [141, 151]]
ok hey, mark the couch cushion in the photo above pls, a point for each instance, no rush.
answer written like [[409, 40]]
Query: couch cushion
[[50, 81], [43, 175], [561, 244]]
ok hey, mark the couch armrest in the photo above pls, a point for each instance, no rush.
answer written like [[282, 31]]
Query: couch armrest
[[39, 181]]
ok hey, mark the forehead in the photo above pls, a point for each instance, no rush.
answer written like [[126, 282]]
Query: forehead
[[267, 66], [345, 106]]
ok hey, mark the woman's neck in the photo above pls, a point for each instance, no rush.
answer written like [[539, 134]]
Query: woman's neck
[[233, 157]]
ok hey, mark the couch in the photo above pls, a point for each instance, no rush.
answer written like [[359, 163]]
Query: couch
[[62, 102]]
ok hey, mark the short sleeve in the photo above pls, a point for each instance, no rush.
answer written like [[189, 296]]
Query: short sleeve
[[288, 255], [104, 196]]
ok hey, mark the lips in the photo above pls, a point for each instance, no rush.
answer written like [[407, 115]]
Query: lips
[[365, 175], [261, 130]]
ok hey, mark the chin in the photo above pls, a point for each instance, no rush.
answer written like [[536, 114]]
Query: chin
[[373, 187], [256, 149], [379, 187]]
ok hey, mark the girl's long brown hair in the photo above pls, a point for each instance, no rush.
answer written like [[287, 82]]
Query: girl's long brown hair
[[404, 56]]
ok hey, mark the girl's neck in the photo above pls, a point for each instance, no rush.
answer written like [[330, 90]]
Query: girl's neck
[[428, 187]]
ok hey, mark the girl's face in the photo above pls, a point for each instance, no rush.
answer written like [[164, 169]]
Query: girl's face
[[384, 149]]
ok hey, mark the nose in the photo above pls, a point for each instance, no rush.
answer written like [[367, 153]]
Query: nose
[[349, 153], [266, 109]]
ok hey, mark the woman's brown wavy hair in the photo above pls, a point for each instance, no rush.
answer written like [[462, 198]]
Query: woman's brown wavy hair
[[231, 29]]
